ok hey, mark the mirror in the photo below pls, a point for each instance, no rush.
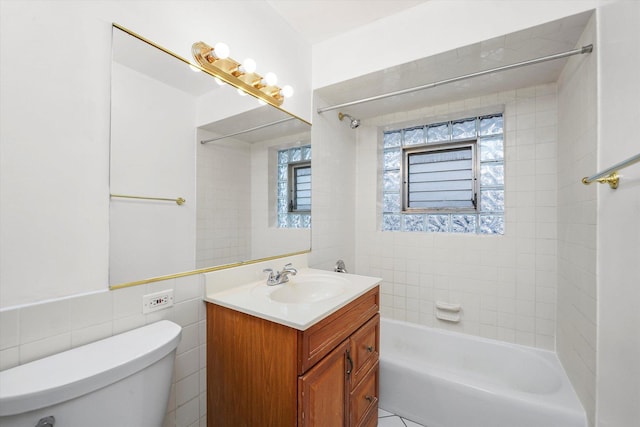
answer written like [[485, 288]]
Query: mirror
[[232, 185]]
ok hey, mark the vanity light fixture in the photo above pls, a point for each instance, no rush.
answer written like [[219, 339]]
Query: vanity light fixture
[[216, 61]]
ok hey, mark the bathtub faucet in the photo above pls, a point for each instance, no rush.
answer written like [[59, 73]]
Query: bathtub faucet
[[280, 276]]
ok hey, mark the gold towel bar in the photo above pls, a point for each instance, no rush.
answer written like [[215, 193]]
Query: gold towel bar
[[610, 176], [179, 200]]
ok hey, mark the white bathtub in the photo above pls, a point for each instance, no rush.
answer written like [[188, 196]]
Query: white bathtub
[[446, 379]]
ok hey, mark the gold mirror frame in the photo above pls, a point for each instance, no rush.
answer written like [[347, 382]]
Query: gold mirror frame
[[216, 267]]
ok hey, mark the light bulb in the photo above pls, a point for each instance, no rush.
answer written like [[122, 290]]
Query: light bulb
[[271, 79], [221, 50], [287, 91], [249, 65]]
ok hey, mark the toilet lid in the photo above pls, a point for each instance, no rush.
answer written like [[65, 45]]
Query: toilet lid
[[81, 370]]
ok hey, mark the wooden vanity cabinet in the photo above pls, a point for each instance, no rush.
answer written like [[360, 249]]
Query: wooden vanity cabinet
[[261, 373]]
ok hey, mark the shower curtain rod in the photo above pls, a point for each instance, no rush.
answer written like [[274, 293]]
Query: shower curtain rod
[[583, 49], [217, 138]]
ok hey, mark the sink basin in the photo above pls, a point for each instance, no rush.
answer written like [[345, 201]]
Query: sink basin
[[308, 289]]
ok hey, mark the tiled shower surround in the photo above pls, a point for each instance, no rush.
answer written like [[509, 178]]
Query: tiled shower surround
[[577, 212], [506, 284]]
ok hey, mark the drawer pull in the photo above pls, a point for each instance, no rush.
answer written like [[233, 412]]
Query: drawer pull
[[369, 399], [370, 348]]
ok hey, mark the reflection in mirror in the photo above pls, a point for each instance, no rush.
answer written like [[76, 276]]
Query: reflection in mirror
[[160, 112], [239, 188]]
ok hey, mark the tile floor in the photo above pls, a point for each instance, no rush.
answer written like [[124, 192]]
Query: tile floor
[[387, 419]]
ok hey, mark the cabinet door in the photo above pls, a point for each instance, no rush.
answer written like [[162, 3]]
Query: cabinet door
[[363, 402], [323, 393], [364, 349]]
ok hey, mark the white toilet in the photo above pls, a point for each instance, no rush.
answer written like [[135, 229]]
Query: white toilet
[[121, 381]]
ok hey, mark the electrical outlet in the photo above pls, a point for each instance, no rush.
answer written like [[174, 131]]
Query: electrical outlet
[[157, 301]]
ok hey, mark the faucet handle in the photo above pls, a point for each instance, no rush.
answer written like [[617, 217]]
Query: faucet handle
[[289, 268], [271, 278]]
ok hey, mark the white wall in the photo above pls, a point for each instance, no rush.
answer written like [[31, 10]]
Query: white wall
[[577, 279], [55, 122], [505, 284], [618, 250]]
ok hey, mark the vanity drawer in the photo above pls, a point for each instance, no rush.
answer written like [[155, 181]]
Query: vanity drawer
[[320, 339], [364, 349], [364, 399]]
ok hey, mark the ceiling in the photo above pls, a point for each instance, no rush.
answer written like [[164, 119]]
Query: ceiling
[[535, 42], [318, 20]]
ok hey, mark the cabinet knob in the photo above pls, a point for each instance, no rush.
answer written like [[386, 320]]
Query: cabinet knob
[[370, 349], [369, 399]]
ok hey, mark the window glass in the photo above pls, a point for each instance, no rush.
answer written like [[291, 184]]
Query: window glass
[[445, 177], [294, 187]]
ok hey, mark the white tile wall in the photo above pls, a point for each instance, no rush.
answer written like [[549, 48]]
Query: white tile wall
[[333, 180], [39, 330], [223, 202], [505, 284], [236, 204], [577, 280]]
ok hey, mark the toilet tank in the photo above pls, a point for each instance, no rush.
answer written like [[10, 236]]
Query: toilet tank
[[122, 381]]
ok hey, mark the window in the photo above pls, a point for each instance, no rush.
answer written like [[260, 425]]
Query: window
[[445, 177], [440, 178], [294, 187], [300, 187]]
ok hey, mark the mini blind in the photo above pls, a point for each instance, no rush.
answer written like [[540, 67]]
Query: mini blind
[[301, 188], [440, 179]]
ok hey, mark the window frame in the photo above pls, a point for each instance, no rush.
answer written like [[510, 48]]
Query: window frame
[[435, 148], [292, 184], [488, 217]]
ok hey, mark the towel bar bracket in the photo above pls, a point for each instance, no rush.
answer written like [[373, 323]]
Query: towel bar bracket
[[613, 180]]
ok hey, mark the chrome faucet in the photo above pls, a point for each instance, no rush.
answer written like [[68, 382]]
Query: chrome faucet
[[340, 267], [280, 276]]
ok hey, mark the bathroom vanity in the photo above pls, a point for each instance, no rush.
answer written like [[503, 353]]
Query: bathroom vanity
[[269, 366]]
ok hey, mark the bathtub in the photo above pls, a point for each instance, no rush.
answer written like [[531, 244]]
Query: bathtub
[[445, 379]]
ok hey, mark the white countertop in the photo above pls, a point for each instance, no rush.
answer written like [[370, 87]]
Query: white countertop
[[253, 298]]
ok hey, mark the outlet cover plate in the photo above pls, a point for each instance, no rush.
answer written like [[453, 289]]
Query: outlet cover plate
[[157, 301]]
